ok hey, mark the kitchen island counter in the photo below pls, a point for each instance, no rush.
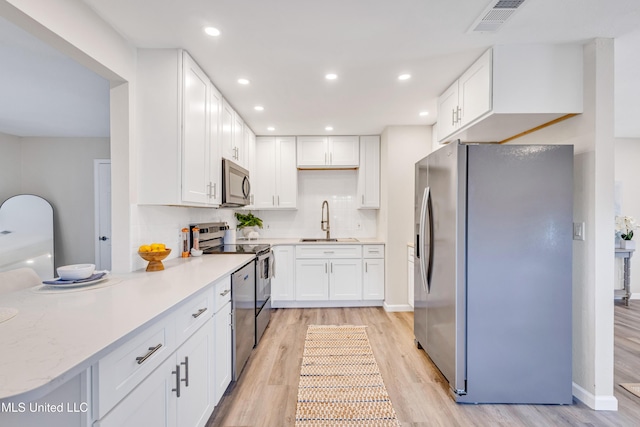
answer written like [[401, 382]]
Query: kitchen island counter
[[56, 336]]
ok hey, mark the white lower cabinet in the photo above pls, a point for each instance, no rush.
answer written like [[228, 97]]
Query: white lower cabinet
[[223, 363], [283, 283], [373, 279], [345, 279], [410, 275], [312, 279], [179, 392]]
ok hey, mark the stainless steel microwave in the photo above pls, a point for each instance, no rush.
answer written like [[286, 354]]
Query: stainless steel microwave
[[236, 187]]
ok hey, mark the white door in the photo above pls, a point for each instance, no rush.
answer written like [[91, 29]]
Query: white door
[[282, 284], [312, 151], [312, 280], [448, 112], [346, 279], [344, 151], [373, 282], [263, 183], [286, 173], [102, 207]]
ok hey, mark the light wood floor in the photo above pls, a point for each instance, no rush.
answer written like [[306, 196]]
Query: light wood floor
[[267, 391]]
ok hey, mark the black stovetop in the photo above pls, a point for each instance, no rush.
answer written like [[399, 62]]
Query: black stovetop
[[245, 248]]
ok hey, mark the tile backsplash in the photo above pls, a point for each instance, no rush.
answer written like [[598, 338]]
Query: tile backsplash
[[339, 188]]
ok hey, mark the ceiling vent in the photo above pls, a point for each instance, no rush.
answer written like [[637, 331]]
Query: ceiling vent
[[495, 15]]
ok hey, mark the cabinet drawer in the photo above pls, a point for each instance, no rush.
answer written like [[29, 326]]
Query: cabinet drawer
[[222, 293], [329, 251], [123, 369], [373, 251], [193, 314]]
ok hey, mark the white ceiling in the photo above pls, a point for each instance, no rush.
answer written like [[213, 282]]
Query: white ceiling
[[285, 47]]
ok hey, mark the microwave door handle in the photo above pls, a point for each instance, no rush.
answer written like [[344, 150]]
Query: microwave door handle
[[246, 187], [421, 228]]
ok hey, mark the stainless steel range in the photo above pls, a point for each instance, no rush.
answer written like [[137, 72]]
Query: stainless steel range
[[250, 289]]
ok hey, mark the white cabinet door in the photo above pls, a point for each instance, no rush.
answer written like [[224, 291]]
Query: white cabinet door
[[195, 137], [474, 90], [373, 279], [215, 147], [228, 148], [151, 403], [448, 111], [222, 358], [312, 151], [286, 174], [312, 280], [345, 281], [196, 360], [283, 284], [369, 173], [344, 151], [263, 180], [238, 140]]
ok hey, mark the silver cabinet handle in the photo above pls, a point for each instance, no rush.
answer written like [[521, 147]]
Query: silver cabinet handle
[[328, 252], [186, 371], [363, 199], [331, 268], [152, 350], [278, 200], [458, 114], [325, 267], [199, 312], [226, 291], [177, 374], [273, 200], [365, 267]]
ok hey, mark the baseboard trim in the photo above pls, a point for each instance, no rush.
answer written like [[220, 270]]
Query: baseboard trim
[[397, 307], [325, 304], [598, 403]]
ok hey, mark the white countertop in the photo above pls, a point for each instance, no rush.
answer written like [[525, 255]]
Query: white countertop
[[56, 336]]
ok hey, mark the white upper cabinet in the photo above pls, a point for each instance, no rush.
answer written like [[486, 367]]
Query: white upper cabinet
[[195, 133], [239, 141], [512, 89], [178, 155], [331, 152], [369, 173], [275, 177], [215, 131], [228, 119]]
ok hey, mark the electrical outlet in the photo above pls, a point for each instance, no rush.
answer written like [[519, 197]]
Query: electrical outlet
[[578, 231]]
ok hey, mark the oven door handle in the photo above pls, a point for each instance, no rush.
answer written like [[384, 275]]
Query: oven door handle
[[272, 265]]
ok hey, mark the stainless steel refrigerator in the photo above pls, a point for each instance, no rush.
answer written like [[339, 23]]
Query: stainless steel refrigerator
[[493, 229]]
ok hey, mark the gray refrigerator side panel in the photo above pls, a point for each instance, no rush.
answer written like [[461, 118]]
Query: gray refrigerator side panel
[[419, 290], [519, 274]]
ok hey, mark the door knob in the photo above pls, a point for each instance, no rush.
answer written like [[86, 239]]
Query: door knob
[[103, 238]]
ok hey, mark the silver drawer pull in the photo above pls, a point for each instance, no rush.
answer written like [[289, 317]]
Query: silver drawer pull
[[196, 315], [226, 291], [152, 350], [177, 374], [328, 252]]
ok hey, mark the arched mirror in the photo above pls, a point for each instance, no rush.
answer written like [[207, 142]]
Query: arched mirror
[[26, 234]]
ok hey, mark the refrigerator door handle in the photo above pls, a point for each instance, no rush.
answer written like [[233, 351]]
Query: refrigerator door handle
[[423, 212], [430, 265]]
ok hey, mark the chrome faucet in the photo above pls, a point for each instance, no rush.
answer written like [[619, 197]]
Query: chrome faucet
[[324, 224]]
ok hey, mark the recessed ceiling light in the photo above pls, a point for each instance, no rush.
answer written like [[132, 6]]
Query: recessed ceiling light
[[328, 128], [424, 113], [244, 81], [258, 108], [331, 76], [404, 76], [212, 31], [271, 128]]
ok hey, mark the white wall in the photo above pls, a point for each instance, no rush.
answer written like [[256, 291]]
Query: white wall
[[593, 265], [337, 187], [627, 175], [10, 159], [401, 147], [61, 171]]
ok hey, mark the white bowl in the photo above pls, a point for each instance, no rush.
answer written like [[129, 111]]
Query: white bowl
[[76, 271]]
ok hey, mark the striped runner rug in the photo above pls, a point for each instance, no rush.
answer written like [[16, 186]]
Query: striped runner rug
[[340, 383]]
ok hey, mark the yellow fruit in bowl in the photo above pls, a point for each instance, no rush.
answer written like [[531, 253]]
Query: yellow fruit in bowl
[[158, 247], [144, 248]]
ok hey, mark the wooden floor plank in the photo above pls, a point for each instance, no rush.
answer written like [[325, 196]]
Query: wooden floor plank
[[266, 394]]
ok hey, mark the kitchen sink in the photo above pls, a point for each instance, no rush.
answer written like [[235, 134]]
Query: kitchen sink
[[320, 240]]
